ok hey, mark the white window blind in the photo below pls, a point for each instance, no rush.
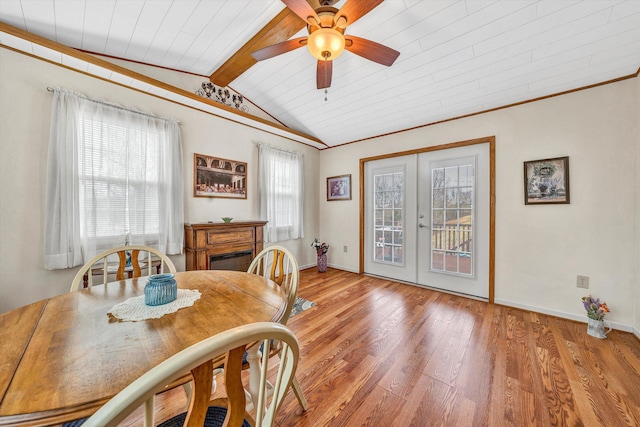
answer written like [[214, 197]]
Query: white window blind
[[118, 178], [114, 177], [281, 193]]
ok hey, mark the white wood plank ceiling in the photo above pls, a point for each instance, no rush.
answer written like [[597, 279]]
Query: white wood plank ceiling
[[457, 57]]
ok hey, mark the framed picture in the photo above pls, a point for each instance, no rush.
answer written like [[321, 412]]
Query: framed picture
[[339, 187], [546, 181], [217, 177]]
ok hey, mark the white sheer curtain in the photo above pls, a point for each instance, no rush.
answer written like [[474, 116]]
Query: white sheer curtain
[[281, 181], [114, 176]]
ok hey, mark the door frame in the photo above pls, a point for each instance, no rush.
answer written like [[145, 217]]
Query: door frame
[[491, 140]]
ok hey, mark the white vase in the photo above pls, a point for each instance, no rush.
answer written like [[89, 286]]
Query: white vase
[[595, 328]]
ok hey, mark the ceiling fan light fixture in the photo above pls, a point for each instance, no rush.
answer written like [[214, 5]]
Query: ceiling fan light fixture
[[326, 43]]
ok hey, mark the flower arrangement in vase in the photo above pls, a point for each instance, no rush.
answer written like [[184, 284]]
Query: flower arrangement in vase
[[596, 311], [321, 251]]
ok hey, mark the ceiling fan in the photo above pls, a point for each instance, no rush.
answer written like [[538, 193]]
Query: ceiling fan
[[326, 39]]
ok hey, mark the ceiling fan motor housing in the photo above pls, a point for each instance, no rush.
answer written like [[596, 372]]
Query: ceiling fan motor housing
[[326, 40], [326, 15]]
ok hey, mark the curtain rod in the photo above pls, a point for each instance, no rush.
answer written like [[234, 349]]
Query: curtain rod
[[97, 101], [277, 148]]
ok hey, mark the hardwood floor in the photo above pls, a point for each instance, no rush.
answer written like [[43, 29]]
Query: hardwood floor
[[379, 353]]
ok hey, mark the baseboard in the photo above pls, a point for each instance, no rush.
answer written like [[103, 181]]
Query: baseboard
[[636, 332], [339, 267], [615, 325], [304, 267]]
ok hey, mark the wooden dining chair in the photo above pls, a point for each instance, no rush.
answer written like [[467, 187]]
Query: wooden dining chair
[[128, 263], [197, 359], [278, 264], [153, 261]]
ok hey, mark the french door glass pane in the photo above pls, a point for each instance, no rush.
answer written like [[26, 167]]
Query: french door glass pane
[[452, 204], [389, 218]]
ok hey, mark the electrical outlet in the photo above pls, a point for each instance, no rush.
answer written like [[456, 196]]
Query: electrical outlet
[[583, 282], [344, 248]]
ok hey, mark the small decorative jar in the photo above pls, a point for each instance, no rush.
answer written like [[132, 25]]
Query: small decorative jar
[[160, 289]]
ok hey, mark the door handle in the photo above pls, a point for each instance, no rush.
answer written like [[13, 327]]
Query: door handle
[[421, 225]]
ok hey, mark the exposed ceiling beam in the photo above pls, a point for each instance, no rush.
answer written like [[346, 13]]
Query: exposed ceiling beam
[[279, 29]]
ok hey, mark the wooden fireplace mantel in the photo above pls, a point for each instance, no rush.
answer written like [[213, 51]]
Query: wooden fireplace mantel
[[202, 240]]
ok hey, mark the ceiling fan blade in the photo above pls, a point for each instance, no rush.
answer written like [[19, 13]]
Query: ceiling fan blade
[[303, 10], [372, 51], [354, 10], [323, 74], [279, 48]]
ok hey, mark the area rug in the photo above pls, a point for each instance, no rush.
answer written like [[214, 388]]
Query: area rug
[[301, 305]]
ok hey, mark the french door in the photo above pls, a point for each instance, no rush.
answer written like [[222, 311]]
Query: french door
[[390, 216], [427, 219]]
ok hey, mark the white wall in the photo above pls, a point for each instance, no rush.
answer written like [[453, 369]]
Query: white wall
[[25, 110], [636, 282], [539, 249], [189, 82]]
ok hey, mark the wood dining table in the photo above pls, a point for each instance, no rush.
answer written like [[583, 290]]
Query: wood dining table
[[64, 357]]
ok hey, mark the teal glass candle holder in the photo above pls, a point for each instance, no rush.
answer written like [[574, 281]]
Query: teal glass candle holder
[[160, 289]]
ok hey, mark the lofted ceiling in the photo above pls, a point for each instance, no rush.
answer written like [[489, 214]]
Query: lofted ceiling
[[457, 57]]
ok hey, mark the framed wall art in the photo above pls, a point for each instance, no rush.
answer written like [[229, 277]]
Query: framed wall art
[[339, 187], [546, 181], [218, 177]]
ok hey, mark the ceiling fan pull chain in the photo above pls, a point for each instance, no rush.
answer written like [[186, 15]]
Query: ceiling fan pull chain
[[325, 94]]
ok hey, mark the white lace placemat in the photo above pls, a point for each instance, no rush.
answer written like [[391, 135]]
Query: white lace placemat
[[134, 309]]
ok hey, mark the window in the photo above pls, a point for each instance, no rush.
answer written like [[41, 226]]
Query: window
[[281, 193], [118, 182], [388, 196], [114, 177], [452, 212]]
